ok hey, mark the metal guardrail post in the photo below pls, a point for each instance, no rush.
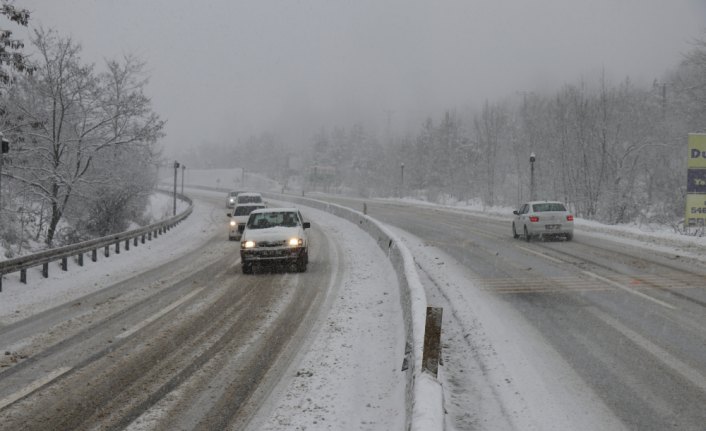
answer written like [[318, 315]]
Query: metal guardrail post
[[45, 270], [64, 264], [23, 276], [80, 259], [94, 255]]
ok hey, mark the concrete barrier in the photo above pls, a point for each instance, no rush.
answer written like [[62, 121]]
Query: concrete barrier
[[424, 395]]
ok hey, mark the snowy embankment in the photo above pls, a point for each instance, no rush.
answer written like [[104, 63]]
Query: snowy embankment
[[19, 301]]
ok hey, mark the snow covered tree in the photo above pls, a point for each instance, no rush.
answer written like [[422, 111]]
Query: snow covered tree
[[76, 118]]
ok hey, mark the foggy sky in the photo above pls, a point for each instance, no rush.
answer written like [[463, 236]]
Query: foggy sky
[[225, 69]]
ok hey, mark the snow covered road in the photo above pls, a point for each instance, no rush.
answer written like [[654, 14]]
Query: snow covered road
[[171, 347]]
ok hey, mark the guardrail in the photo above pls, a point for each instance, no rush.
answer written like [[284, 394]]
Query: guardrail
[[44, 258]]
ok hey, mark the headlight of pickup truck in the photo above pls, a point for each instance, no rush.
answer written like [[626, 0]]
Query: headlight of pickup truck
[[248, 244], [233, 223], [294, 242]]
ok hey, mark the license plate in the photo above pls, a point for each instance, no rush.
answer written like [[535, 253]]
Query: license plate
[[552, 226]]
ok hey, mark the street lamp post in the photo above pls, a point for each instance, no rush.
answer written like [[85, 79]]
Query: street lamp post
[[183, 169], [176, 169], [532, 159], [402, 179]]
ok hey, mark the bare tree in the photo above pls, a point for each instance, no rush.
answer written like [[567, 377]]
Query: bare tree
[[489, 128]]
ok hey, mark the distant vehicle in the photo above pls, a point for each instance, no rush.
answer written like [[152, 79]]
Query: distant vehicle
[[248, 198], [275, 236], [238, 219], [543, 219], [231, 198]]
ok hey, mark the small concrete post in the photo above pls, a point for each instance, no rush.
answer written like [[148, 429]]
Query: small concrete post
[[432, 341]]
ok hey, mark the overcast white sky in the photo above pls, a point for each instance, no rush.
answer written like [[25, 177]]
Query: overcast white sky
[[223, 69]]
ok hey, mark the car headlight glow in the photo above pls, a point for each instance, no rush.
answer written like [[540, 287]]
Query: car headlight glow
[[233, 223], [293, 242], [249, 244]]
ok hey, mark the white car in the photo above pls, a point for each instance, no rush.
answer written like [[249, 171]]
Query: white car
[[275, 235], [231, 198], [542, 219], [238, 219]]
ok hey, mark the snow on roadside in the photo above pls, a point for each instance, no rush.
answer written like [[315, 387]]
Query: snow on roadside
[[349, 377], [18, 301]]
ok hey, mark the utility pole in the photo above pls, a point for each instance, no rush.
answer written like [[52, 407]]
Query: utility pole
[[183, 169], [4, 148]]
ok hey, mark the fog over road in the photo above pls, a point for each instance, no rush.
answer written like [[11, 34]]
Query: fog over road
[[628, 321]]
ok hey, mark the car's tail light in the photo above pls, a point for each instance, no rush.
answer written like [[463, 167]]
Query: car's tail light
[[569, 218], [534, 219]]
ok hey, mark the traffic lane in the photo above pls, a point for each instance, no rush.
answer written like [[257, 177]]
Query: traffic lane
[[168, 352], [66, 335], [640, 351]]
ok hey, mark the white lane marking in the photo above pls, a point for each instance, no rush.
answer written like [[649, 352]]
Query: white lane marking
[[162, 312], [540, 254], [629, 290], [33, 386], [689, 373]]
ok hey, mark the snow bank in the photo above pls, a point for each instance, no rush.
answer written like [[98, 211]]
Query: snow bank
[[423, 400]]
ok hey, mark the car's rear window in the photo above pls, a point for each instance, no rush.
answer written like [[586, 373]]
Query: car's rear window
[[538, 208], [242, 210], [272, 219], [245, 199]]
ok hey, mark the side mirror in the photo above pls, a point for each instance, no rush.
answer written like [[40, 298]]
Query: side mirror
[[228, 214], [515, 212], [307, 225]]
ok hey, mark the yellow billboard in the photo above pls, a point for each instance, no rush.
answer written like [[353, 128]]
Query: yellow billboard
[[697, 151]]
